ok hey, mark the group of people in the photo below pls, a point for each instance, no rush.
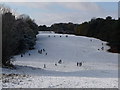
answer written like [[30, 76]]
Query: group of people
[[79, 64], [60, 62], [41, 51], [60, 36], [24, 54], [102, 48]]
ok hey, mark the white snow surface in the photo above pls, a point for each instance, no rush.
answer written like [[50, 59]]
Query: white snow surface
[[99, 68]]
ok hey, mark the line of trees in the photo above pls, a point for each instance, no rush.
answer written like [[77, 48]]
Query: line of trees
[[105, 29], [18, 35]]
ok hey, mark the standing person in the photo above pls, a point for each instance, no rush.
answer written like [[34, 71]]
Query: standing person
[[41, 51], [38, 51], [77, 63], [44, 66], [55, 64], [21, 55], [102, 48], [44, 50], [60, 61], [80, 64]]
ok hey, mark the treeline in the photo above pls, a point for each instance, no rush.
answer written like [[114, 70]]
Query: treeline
[[60, 28], [18, 35], [105, 29]]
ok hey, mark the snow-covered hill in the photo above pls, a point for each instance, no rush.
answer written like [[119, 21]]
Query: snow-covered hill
[[34, 70]]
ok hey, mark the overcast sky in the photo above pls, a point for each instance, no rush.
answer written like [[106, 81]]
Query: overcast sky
[[49, 13]]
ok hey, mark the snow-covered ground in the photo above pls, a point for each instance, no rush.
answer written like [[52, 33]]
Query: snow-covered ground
[[99, 68]]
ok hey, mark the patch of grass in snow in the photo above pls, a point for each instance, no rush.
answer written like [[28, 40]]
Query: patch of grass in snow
[[13, 78]]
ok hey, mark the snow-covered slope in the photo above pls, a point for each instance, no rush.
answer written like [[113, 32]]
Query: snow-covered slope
[[99, 67]]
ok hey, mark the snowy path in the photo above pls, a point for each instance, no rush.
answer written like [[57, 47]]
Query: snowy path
[[99, 69]]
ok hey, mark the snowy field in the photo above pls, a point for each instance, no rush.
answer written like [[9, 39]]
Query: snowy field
[[34, 70]]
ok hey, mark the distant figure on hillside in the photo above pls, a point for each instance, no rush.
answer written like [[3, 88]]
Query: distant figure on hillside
[[39, 51], [48, 35], [45, 53], [66, 35], [80, 64], [43, 50], [44, 66], [54, 35], [102, 43], [60, 61], [21, 55], [91, 40], [55, 64], [60, 36], [29, 54], [102, 48], [77, 63]]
